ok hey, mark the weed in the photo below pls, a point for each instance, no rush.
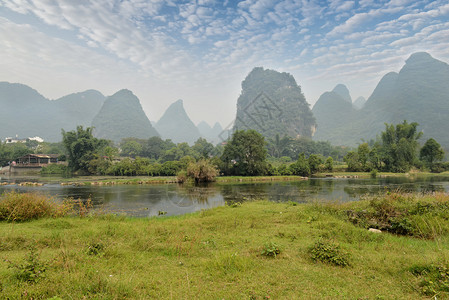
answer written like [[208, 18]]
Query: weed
[[32, 269], [95, 248], [434, 279], [235, 204], [270, 249], [328, 252]]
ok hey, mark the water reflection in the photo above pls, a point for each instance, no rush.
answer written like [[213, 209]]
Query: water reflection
[[152, 200]]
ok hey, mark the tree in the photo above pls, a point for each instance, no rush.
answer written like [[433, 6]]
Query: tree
[[329, 164], [245, 154], [203, 148], [131, 147], [10, 152], [301, 166], [278, 146], [363, 153], [353, 162], [431, 152], [399, 146], [155, 147], [315, 163], [81, 147]]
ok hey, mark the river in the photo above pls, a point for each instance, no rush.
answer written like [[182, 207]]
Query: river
[[175, 199]]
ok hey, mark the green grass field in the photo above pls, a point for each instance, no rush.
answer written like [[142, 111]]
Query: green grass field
[[256, 250]]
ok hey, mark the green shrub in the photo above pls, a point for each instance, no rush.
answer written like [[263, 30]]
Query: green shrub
[[182, 176], [95, 248], [202, 171], [271, 249], [423, 216], [31, 269], [434, 279], [54, 169], [328, 252]]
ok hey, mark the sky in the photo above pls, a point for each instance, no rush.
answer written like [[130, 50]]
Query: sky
[[201, 50]]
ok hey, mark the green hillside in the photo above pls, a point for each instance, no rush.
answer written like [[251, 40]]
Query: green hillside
[[122, 116], [272, 103]]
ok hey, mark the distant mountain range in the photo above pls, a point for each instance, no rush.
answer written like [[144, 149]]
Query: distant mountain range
[[418, 93], [26, 113], [270, 102], [212, 134]]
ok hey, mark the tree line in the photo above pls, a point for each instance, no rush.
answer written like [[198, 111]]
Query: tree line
[[246, 153]]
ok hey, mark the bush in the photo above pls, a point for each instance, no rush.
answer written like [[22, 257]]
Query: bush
[[202, 171], [422, 216], [54, 169], [32, 269], [271, 249], [27, 206], [434, 279], [182, 176], [328, 252], [300, 167]]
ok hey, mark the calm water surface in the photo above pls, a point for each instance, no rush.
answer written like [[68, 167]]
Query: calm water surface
[[174, 199]]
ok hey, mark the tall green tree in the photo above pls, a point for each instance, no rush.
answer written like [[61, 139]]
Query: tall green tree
[[399, 146], [203, 148], [300, 167], [245, 154], [278, 147], [81, 147], [10, 152], [431, 152]]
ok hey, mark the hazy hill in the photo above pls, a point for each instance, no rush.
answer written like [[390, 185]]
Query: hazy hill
[[272, 103], [331, 111], [212, 134], [418, 93], [343, 91], [26, 113], [122, 116], [176, 125], [359, 102], [79, 108]]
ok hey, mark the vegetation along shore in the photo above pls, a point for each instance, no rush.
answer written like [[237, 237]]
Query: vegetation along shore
[[252, 250]]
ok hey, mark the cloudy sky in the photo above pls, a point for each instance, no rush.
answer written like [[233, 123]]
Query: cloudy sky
[[201, 50]]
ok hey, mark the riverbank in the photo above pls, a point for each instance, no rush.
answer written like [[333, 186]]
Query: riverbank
[[253, 250], [117, 180]]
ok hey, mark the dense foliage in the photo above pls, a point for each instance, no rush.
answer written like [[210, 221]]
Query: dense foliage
[[245, 154], [82, 148], [395, 151]]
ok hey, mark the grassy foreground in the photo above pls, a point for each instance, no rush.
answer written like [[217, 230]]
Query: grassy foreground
[[256, 250]]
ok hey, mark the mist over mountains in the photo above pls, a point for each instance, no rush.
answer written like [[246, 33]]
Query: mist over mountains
[[418, 93], [122, 116], [270, 102], [176, 125]]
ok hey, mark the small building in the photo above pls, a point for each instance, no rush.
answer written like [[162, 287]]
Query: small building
[[11, 140], [33, 163], [37, 160]]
